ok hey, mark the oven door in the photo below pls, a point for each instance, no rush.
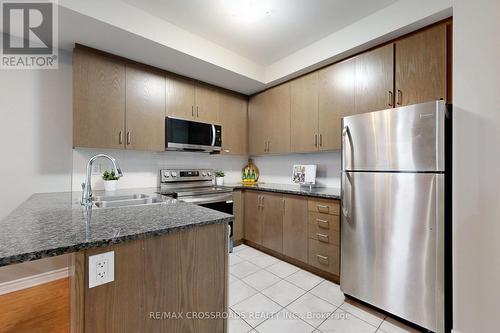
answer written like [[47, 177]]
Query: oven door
[[181, 134]]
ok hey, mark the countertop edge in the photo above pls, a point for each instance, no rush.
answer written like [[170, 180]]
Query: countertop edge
[[284, 191]]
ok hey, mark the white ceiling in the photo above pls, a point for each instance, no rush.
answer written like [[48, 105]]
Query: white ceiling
[[276, 29]]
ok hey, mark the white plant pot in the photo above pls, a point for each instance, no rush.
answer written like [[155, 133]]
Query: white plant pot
[[110, 185], [219, 181]]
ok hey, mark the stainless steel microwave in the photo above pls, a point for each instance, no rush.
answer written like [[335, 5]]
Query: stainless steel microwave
[[188, 135]]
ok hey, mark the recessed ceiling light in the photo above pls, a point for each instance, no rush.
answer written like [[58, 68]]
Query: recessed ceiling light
[[248, 11]]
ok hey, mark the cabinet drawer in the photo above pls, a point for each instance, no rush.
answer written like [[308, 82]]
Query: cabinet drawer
[[324, 206], [324, 221], [328, 236], [324, 256]]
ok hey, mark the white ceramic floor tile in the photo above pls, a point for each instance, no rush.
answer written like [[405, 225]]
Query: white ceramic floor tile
[[234, 259], [238, 291], [261, 280], [256, 309], [284, 322], [312, 309], [363, 312], [344, 322], [283, 292], [232, 278], [304, 280], [390, 325], [282, 269], [264, 260], [239, 248], [237, 325], [248, 253], [243, 269], [330, 292]]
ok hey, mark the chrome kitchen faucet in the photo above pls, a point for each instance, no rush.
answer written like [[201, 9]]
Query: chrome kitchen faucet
[[87, 187]]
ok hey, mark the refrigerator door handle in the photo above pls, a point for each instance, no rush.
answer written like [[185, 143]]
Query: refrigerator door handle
[[345, 210], [346, 132]]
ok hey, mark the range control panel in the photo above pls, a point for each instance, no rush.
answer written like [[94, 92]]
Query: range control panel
[[177, 175]]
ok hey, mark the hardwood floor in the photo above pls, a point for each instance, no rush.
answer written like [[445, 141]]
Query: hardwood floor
[[40, 309]]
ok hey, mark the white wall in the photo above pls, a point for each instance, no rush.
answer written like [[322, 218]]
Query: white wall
[[35, 132], [476, 202], [278, 169]]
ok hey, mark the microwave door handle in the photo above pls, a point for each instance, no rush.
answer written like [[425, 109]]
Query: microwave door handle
[[213, 135]]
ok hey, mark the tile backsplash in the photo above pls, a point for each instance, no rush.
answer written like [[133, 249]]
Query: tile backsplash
[[141, 168]]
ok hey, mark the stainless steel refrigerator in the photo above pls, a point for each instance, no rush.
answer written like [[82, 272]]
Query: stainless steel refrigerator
[[395, 212]]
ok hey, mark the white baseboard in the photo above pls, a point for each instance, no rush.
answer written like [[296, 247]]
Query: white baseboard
[[31, 281], [455, 331]]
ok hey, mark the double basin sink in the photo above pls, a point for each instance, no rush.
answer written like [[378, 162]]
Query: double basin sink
[[111, 201]]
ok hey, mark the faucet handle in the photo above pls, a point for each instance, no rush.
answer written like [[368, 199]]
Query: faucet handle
[[83, 186]]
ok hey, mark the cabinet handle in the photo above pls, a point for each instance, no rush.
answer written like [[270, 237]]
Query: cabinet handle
[[262, 201], [400, 97], [192, 110], [323, 238], [197, 112], [323, 208], [284, 206], [268, 146], [120, 137], [320, 140], [265, 146], [323, 224], [322, 258], [315, 140], [391, 98], [129, 137]]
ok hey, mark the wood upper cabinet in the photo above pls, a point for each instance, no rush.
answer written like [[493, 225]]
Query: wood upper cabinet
[[374, 79], [336, 100], [272, 224], [304, 114], [233, 117], [253, 216], [179, 97], [295, 227], [145, 109], [206, 103], [421, 68], [99, 100], [269, 121]]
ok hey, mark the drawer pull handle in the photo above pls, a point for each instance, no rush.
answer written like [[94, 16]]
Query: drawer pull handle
[[323, 224], [322, 259], [323, 208], [323, 238]]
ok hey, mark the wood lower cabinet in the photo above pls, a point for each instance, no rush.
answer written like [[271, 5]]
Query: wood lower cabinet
[[374, 80], [145, 109], [253, 217], [304, 114], [238, 212], [295, 225], [98, 100], [233, 117], [272, 221], [421, 66], [184, 271]]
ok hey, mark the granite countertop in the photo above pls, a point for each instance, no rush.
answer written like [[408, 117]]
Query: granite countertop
[[50, 224], [317, 192]]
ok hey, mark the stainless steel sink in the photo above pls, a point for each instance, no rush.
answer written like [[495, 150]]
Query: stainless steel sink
[[110, 201]]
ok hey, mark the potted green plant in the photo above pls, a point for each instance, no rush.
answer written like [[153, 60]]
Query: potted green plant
[[219, 178], [110, 180]]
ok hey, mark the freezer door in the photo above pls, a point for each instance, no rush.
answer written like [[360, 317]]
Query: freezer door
[[409, 138], [392, 243]]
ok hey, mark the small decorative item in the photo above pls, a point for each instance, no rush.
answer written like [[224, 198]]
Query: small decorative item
[[219, 178], [304, 175], [250, 173], [110, 181]]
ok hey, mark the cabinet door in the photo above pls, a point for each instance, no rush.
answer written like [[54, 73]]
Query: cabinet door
[[145, 109], [272, 224], [99, 101], [207, 103], [277, 108], [421, 67], [180, 97], [238, 212], [304, 114], [257, 125], [233, 117], [336, 100], [375, 80], [295, 225], [253, 216]]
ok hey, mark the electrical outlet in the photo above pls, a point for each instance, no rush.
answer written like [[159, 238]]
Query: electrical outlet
[[101, 269], [96, 168]]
